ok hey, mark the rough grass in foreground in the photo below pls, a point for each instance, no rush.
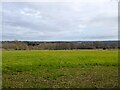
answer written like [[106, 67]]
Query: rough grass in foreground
[[60, 69]]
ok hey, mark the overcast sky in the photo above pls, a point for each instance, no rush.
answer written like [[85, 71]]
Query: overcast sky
[[60, 21]]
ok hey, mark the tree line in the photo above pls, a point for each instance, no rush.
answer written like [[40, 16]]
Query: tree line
[[32, 45]]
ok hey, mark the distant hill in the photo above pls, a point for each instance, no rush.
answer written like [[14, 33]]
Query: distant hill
[[58, 45]]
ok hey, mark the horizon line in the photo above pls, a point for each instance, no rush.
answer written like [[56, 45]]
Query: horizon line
[[57, 40]]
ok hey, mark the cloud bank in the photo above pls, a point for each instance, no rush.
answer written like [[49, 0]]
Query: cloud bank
[[60, 21]]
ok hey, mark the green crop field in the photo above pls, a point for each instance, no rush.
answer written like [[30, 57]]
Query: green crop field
[[60, 69]]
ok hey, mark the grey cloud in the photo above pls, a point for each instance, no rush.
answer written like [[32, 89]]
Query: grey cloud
[[58, 21]]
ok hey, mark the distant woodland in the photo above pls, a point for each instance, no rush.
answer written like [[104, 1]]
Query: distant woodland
[[35, 45]]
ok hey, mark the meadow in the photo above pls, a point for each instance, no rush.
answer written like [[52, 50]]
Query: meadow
[[60, 69]]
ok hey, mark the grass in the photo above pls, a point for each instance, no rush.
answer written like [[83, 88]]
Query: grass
[[60, 69]]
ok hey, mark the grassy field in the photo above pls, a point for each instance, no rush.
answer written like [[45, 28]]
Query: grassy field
[[60, 69]]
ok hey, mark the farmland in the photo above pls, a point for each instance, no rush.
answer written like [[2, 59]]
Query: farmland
[[60, 69]]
